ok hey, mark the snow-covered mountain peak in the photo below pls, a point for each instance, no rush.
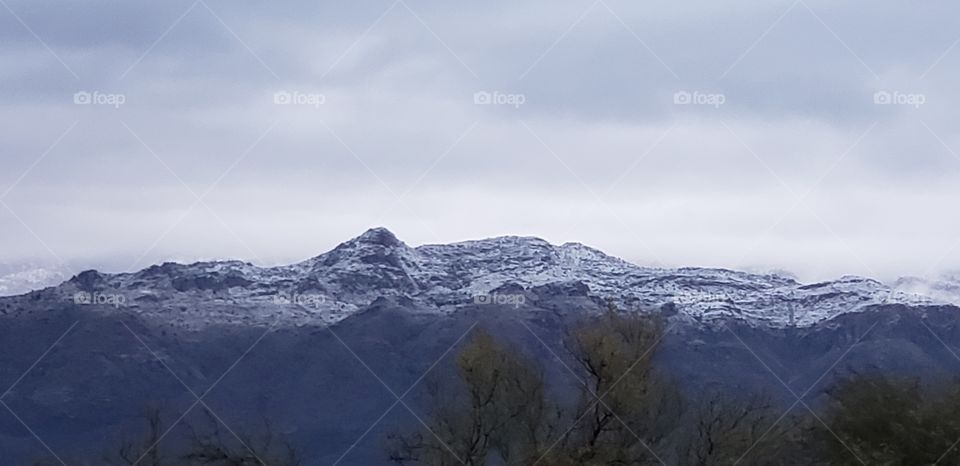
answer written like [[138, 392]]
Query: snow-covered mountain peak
[[377, 236], [444, 277], [375, 247], [500, 245]]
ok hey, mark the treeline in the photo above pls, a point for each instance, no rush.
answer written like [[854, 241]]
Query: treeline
[[500, 411], [206, 444]]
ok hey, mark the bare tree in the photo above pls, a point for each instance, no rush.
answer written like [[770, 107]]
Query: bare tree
[[213, 447], [626, 408], [721, 429], [889, 420], [500, 413], [206, 446], [146, 451]]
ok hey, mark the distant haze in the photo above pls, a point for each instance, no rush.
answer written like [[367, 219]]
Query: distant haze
[[807, 136]]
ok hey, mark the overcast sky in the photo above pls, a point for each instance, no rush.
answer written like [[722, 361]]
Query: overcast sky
[[812, 136]]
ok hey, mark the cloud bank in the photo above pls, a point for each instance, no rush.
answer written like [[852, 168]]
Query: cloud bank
[[800, 135]]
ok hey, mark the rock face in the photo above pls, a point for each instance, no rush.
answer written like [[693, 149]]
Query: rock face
[[440, 278]]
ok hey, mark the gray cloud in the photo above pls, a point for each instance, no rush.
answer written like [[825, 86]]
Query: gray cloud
[[598, 152]]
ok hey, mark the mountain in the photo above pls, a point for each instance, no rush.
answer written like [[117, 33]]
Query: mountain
[[324, 347], [439, 278]]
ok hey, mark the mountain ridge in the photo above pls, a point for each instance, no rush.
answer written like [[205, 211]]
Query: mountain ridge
[[440, 278], [315, 343]]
